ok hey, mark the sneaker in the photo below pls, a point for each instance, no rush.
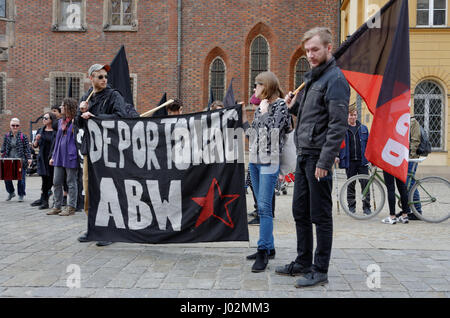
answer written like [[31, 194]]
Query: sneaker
[[262, 259], [20, 198], [312, 279], [389, 220], [367, 211], [255, 221], [253, 256], [292, 269], [54, 211], [10, 196], [67, 211], [403, 219]]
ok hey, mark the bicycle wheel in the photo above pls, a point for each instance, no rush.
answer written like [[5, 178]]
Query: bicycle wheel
[[433, 203], [357, 205]]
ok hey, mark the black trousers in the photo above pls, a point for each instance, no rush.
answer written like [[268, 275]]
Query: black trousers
[[390, 182], [47, 184], [355, 168], [312, 204]]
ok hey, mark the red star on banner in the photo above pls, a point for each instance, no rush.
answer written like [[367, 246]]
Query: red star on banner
[[207, 204]]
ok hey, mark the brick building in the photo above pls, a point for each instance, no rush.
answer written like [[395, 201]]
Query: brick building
[[182, 47]]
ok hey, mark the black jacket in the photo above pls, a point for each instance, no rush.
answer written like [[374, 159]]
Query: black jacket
[[322, 113], [108, 103]]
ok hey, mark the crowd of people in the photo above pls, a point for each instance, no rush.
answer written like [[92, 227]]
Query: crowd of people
[[322, 123]]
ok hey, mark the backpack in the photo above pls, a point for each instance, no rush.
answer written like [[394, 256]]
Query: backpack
[[425, 146]]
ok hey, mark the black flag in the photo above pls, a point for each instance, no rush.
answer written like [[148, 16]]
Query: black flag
[[162, 112], [119, 76], [229, 100], [211, 98]]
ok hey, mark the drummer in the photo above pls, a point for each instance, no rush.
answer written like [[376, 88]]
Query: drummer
[[15, 145]]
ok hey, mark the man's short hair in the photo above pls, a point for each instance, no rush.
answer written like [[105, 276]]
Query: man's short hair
[[57, 108], [352, 108], [15, 119], [324, 34], [98, 67], [175, 106]]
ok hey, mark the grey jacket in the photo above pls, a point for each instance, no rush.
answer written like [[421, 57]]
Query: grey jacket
[[322, 113]]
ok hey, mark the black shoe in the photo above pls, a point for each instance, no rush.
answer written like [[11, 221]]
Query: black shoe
[[83, 238], [292, 269], [255, 221], [38, 202], [253, 214], [352, 209], [262, 259], [271, 255], [103, 243], [413, 217], [312, 279], [367, 211], [44, 205]]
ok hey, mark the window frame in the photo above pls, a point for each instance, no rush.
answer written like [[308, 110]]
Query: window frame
[[426, 113], [107, 18], [251, 80], [54, 75], [57, 18], [218, 58], [301, 58], [431, 10]]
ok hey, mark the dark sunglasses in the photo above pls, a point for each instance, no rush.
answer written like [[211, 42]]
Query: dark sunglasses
[[254, 85], [46, 118], [15, 125], [100, 77]]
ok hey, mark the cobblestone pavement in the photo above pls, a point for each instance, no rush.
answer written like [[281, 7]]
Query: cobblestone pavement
[[39, 256]]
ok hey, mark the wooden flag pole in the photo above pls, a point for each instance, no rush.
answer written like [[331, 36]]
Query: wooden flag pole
[[299, 89], [151, 111], [89, 97]]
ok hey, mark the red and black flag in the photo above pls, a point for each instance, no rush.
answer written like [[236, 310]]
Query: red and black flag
[[375, 61]]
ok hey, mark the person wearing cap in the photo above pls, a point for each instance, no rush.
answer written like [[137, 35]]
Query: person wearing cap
[[104, 102]]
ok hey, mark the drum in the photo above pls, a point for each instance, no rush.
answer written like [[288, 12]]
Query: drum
[[10, 169]]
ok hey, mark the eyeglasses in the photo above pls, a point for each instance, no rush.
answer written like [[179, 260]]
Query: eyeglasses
[[15, 125], [100, 77], [45, 118]]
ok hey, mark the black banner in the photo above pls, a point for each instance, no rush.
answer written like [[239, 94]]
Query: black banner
[[177, 179]]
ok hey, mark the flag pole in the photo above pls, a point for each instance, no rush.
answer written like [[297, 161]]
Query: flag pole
[[89, 97], [299, 89], [151, 111]]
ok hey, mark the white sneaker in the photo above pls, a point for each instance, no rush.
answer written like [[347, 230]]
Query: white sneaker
[[389, 220], [403, 219]]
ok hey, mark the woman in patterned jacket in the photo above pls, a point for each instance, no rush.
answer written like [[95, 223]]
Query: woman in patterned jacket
[[266, 135]]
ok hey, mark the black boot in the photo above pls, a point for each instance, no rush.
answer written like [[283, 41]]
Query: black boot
[[38, 202], [262, 259], [44, 205]]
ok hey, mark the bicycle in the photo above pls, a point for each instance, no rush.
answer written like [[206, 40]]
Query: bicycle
[[431, 204]]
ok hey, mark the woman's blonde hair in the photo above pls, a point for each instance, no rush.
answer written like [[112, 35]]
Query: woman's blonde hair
[[271, 85]]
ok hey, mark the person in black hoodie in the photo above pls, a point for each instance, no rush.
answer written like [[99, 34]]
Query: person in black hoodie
[[321, 125], [104, 102], [44, 139]]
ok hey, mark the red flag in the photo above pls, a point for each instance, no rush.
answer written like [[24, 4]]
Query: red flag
[[375, 61]]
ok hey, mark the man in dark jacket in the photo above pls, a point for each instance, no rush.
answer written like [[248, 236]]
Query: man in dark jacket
[[321, 124], [352, 158], [104, 102]]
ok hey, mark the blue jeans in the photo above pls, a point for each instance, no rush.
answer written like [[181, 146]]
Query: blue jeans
[[20, 183], [264, 179], [412, 167]]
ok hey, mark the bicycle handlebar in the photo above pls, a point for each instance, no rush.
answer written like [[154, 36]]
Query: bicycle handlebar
[[417, 160]]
